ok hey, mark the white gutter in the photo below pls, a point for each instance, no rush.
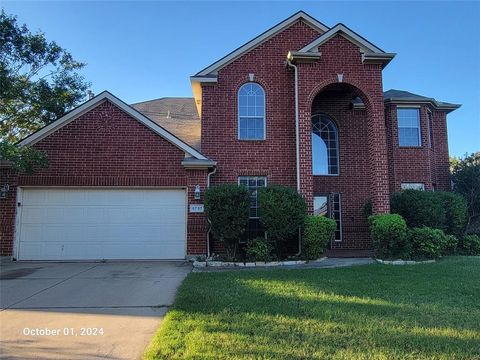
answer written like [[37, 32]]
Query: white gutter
[[297, 127], [297, 146], [208, 232]]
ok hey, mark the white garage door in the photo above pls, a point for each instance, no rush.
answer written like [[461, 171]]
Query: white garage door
[[87, 224]]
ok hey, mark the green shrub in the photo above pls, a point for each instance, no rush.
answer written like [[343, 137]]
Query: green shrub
[[282, 211], [388, 232], [426, 243], [470, 245], [450, 245], [419, 208], [258, 250], [317, 232], [455, 208], [227, 208]]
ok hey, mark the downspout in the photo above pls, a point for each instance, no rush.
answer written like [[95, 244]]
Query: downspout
[[208, 232], [297, 145]]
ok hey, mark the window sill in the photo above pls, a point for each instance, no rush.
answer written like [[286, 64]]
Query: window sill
[[252, 140], [326, 175]]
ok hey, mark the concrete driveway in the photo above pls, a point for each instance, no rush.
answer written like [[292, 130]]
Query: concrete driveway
[[84, 310]]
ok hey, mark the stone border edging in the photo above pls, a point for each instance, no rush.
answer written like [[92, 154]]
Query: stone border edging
[[403, 262], [220, 264]]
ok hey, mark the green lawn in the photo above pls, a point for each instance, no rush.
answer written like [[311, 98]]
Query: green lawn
[[429, 311]]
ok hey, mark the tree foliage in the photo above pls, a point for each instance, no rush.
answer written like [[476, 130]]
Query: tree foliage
[[23, 159], [227, 208], [282, 212], [39, 80], [466, 181]]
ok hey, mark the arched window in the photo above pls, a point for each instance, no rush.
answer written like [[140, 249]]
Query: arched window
[[251, 112], [324, 146]]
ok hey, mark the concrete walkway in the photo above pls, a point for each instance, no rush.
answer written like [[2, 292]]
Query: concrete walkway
[[326, 263], [84, 310]]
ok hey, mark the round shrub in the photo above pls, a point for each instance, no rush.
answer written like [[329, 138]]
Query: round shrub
[[388, 232], [426, 243], [455, 208], [227, 208], [258, 250], [282, 211], [419, 208], [470, 245], [317, 232], [450, 245]]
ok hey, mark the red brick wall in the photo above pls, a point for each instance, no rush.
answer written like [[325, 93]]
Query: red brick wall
[[107, 147], [353, 181], [274, 157], [7, 212], [424, 164]]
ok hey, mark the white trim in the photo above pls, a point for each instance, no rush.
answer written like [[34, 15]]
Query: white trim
[[407, 106], [105, 95], [345, 32], [315, 24], [18, 216], [204, 79], [264, 113], [252, 176]]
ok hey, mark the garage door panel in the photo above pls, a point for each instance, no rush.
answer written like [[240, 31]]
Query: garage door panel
[[88, 224]]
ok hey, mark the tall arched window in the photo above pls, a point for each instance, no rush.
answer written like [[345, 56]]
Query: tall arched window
[[324, 146], [251, 112]]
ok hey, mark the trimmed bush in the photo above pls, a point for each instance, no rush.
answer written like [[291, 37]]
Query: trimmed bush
[[227, 208], [317, 232], [427, 243], [282, 211], [389, 233], [455, 207], [450, 246], [419, 208], [258, 250], [470, 245]]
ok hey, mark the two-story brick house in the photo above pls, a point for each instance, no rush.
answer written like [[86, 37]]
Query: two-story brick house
[[300, 105]]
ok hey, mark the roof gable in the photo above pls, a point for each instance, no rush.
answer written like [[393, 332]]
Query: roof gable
[[92, 103], [349, 34], [212, 69]]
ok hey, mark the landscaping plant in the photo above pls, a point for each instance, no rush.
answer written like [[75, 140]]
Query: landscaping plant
[[470, 245], [317, 232], [389, 235], [419, 208], [455, 208], [227, 208], [258, 250], [282, 212], [427, 243]]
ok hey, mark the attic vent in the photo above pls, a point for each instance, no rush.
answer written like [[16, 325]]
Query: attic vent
[[168, 115]]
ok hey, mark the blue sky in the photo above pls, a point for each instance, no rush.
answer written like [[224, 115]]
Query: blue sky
[[147, 50]]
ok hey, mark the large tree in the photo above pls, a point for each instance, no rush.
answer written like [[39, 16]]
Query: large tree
[[39, 80], [466, 181]]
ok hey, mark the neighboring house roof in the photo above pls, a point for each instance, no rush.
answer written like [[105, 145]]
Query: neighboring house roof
[[100, 98], [212, 69], [175, 114], [405, 97]]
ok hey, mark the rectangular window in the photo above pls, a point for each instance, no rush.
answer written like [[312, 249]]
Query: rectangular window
[[253, 183], [413, 186], [330, 206], [408, 127]]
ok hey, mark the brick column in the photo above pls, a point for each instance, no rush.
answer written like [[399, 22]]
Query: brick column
[[377, 150], [196, 222]]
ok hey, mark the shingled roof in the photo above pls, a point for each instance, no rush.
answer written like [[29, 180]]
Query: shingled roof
[[177, 115]]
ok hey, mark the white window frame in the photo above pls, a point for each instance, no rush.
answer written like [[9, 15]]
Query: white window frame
[[337, 147], [419, 128], [247, 177], [264, 113], [330, 211], [412, 186]]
